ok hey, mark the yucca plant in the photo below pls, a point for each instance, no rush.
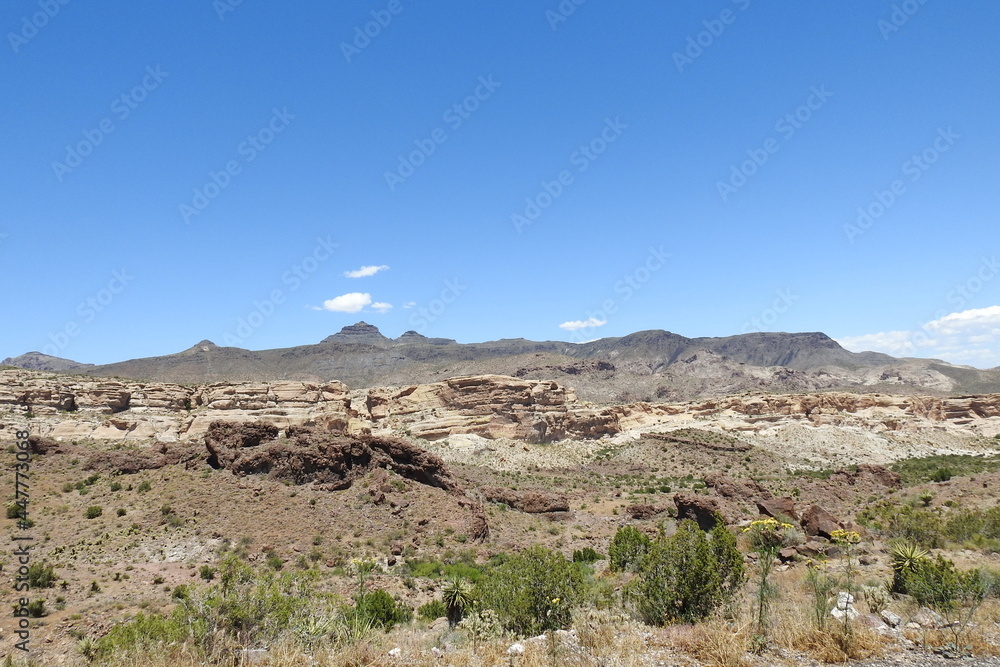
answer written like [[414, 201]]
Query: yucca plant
[[906, 557], [458, 598]]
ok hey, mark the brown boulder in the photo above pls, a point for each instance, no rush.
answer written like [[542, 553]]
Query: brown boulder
[[702, 509], [778, 507], [817, 521], [735, 489], [226, 440]]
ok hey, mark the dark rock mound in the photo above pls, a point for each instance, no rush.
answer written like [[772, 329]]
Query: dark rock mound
[[778, 507], [310, 455], [702, 509], [532, 502], [644, 511], [817, 521]]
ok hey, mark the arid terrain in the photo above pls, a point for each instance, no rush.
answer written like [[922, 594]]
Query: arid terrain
[[311, 476]]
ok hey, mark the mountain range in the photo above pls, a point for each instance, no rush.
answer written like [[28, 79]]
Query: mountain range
[[652, 365]]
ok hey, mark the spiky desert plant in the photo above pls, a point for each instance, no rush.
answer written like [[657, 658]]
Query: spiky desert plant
[[458, 598], [906, 557]]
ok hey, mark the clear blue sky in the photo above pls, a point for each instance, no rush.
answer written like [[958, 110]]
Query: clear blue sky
[[623, 123]]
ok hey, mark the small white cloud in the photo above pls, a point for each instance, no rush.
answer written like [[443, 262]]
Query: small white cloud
[[590, 322], [410, 304], [365, 271], [382, 307], [348, 303]]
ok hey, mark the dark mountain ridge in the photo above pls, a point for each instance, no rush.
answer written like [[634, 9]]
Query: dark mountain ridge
[[646, 365]]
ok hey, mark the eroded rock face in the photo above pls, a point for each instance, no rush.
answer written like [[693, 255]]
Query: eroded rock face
[[308, 455], [702, 509], [532, 502]]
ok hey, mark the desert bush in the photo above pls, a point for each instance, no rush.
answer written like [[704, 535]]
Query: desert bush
[[93, 512], [937, 583], [532, 592], [586, 555], [380, 610], [628, 547], [432, 610], [687, 576], [41, 575]]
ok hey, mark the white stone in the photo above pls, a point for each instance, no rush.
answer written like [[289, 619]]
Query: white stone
[[516, 649]]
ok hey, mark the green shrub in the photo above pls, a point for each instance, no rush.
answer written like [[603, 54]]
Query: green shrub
[[586, 555], [93, 512], [36, 608], [432, 610], [13, 511], [687, 576], [41, 575], [120, 511], [532, 591], [942, 475], [144, 487], [116, 486], [628, 547], [379, 609], [207, 572], [938, 584]]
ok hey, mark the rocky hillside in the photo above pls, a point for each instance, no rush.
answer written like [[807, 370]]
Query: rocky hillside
[[648, 365], [480, 419]]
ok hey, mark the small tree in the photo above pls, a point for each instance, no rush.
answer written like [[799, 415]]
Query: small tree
[[687, 576], [533, 591], [628, 547]]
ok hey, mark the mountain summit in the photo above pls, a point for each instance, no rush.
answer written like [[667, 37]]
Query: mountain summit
[[362, 332]]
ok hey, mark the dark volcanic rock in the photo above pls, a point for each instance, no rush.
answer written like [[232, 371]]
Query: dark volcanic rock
[[702, 509], [310, 455], [225, 440], [741, 489], [778, 507], [817, 521], [643, 511], [532, 502]]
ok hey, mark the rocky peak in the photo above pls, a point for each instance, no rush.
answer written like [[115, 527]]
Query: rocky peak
[[362, 332]]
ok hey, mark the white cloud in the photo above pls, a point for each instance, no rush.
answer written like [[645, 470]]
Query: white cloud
[[409, 304], [583, 324], [967, 337], [382, 307], [348, 303], [365, 271]]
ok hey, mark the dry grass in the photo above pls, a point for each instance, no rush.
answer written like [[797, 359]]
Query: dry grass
[[717, 643]]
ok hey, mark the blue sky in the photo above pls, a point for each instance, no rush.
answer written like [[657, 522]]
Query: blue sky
[[180, 171]]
